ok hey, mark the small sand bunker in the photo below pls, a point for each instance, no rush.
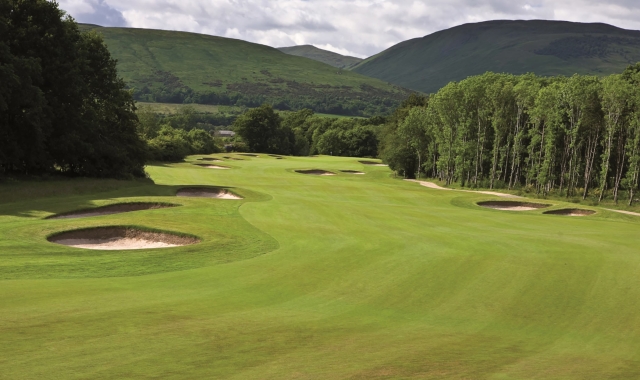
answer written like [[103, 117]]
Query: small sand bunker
[[372, 163], [570, 212], [209, 159], [213, 166], [248, 154], [315, 172], [207, 192], [110, 210], [120, 238], [351, 171], [512, 205]]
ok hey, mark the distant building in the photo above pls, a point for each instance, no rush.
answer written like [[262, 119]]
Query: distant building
[[224, 133]]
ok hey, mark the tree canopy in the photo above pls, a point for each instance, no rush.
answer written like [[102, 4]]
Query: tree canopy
[[63, 107]]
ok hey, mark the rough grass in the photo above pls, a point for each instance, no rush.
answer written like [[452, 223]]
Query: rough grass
[[342, 277]]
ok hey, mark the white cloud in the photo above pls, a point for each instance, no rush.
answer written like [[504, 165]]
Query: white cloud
[[355, 27]]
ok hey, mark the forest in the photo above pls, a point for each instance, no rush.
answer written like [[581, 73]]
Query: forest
[[575, 137]]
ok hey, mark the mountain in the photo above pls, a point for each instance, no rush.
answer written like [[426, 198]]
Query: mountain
[[178, 67], [542, 47], [324, 56]]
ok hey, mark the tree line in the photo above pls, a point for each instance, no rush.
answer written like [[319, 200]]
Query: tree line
[[575, 137], [303, 133], [63, 108]]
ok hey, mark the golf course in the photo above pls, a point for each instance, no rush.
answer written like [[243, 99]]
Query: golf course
[[286, 275]]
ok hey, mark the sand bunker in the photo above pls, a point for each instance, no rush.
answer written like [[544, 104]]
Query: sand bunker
[[372, 163], [233, 158], [120, 238], [205, 192], [213, 166], [248, 154], [512, 205], [276, 156], [209, 159], [351, 171], [111, 209], [570, 212], [315, 172]]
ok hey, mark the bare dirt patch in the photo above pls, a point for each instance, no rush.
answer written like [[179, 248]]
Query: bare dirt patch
[[315, 172], [512, 205], [207, 192], [110, 210], [372, 163], [120, 238], [219, 167], [352, 172], [570, 212]]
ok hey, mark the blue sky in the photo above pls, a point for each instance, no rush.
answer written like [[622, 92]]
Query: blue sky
[[353, 27]]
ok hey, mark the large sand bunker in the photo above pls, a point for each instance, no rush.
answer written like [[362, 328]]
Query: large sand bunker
[[315, 172], [111, 209], [570, 212], [372, 163], [213, 166], [351, 172], [512, 205], [120, 238], [206, 192]]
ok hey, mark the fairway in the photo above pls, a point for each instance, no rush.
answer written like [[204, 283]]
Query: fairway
[[299, 276]]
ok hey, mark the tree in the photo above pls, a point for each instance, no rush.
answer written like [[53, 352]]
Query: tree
[[259, 129], [64, 107]]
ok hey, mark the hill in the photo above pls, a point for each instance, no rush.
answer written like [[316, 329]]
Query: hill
[[324, 56], [542, 47], [176, 67]]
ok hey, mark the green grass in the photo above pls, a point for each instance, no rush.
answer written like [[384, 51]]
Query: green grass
[[308, 277], [153, 60], [173, 108], [325, 56], [429, 63]]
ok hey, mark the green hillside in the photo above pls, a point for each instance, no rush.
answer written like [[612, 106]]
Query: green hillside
[[314, 277], [176, 67], [321, 55], [542, 47]]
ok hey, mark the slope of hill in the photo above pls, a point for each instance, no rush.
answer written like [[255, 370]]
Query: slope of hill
[[542, 47], [177, 67], [324, 56]]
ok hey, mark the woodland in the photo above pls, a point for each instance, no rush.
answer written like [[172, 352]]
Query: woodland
[[575, 136]]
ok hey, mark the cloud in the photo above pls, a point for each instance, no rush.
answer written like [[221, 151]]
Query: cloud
[[93, 12], [356, 27]]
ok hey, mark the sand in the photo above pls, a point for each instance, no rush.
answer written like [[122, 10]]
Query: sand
[[201, 192], [372, 163], [570, 212], [623, 212], [315, 172], [512, 205], [120, 238], [352, 172], [111, 209], [432, 185], [209, 159], [213, 167]]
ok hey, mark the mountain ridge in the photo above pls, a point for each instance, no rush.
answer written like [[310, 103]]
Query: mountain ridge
[[514, 46]]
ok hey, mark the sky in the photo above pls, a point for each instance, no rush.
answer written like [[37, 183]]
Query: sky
[[359, 28]]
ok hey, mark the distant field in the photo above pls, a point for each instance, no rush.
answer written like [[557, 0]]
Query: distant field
[[172, 108], [315, 277]]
